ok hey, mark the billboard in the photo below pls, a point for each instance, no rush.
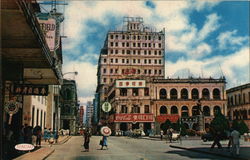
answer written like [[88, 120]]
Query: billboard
[[134, 118], [48, 27], [172, 117], [130, 83], [30, 89]]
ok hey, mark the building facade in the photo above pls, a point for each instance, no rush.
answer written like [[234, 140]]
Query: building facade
[[149, 105], [89, 114], [238, 100], [69, 106]]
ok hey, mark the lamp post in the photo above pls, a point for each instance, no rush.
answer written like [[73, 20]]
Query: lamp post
[[75, 73]]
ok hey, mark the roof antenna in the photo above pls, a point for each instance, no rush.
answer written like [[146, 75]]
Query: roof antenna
[[221, 71]]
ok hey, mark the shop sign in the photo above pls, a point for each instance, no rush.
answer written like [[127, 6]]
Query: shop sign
[[11, 108], [130, 83], [49, 29], [172, 117], [106, 107], [27, 89], [24, 147], [134, 118], [189, 119]]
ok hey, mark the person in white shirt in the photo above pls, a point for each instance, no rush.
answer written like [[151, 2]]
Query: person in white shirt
[[235, 135]]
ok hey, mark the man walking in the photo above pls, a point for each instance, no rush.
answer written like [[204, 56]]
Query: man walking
[[235, 135]]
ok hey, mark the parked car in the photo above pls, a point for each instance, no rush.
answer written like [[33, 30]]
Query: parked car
[[209, 137]]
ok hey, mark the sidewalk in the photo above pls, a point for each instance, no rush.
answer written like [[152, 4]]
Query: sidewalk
[[204, 147], [44, 151]]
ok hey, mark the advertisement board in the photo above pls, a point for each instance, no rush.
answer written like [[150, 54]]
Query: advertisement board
[[134, 118], [130, 83], [172, 117]]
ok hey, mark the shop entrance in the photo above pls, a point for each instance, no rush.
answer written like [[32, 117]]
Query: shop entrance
[[147, 128], [135, 126], [123, 126]]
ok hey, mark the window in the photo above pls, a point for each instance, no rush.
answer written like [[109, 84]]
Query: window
[[145, 61], [216, 94], [127, 44], [104, 70], [116, 51], [139, 71], [155, 52], [205, 93], [127, 61], [134, 60], [135, 91], [123, 92], [163, 110], [134, 52], [149, 61], [111, 80], [149, 37], [159, 38], [149, 71], [149, 45], [111, 71], [146, 109], [138, 37], [116, 70], [149, 52], [116, 44], [134, 45], [104, 80], [159, 61], [146, 91], [159, 71], [173, 94], [111, 51], [116, 60], [163, 94], [174, 110], [116, 36], [145, 52], [123, 36], [111, 44], [139, 44], [155, 71], [124, 109], [159, 45], [127, 37], [139, 52], [111, 36], [123, 44], [159, 52], [104, 60], [145, 71], [123, 52], [134, 37], [155, 61], [146, 45], [139, 61], [195, 93], [184, 93], [244, 98], [135, 109], [123, 60], [111, 60], [128, 51]]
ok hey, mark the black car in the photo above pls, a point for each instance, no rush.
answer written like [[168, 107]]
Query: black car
[[209, 137]]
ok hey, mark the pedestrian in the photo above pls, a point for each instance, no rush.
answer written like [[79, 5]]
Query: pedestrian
[[229, 139], [37, 131], [56, 135], [86, 141], [46, 134], [27, 134], [170, 134], [161, 134], [235, 142], [217, 137], [104, 142]]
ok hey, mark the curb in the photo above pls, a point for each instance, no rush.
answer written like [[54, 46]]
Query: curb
[[64, 140], [49, 154], [207, 152]]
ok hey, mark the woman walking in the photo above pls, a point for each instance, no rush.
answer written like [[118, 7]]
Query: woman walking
[[86, 141], [104, 142]]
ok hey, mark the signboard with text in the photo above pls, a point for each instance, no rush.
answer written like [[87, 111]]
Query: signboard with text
[[49, 29], [134, 118], [29, 89], [172, 117], [130, 83]]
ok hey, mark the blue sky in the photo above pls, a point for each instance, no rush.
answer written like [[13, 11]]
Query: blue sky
[[203, 38]]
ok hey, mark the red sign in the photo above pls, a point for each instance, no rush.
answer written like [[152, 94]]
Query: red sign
[[172, 117], [134, 118]]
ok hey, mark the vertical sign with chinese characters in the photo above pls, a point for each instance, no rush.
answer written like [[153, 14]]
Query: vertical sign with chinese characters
[[27, 89]]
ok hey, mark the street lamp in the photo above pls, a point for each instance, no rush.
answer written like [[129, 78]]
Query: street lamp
[[75, 73]]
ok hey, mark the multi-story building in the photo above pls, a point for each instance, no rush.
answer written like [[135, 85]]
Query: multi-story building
[[136, 51], [147, 105], [69, 106], [238, 100], [89, 113], [81, 114]]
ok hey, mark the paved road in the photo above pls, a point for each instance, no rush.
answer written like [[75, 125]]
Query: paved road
[[124, 148]]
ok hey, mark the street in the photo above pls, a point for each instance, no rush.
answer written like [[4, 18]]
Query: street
[[124, 148]]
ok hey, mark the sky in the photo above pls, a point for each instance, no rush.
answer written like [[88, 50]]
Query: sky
[[203, 38]]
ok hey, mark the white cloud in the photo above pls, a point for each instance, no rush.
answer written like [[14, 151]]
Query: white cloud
[[230, 38], [201, 50], [84, 100], [235, 67], [204, 4]]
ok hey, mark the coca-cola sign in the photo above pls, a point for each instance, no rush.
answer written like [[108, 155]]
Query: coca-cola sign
[[172, 117], [134, 118]]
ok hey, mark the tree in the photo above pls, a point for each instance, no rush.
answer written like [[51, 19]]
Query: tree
[[219, 123], [166, 125]]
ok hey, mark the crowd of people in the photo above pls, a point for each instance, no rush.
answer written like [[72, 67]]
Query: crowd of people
[[34, 135]]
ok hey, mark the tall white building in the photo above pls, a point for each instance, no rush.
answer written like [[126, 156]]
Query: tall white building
[[89, 113]]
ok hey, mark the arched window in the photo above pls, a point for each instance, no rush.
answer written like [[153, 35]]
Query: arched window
[[195, 111], [217, 110], [174, 110], [163, 110], [173, 94], [206, 111], [184, 93], [184, 111], [195, 93], [124, 109], [216, 93], [205, 93], [163, 94]]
